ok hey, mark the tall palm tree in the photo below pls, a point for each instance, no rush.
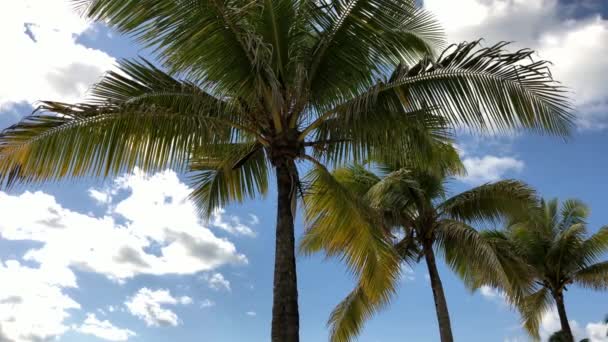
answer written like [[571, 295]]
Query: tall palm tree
[[246, 87], [378, 221], [551, 244]]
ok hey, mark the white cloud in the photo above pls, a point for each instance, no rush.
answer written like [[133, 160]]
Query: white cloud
[[253, 219], [103, 329], [101, 197], [489, 292], [573, 45], [148, 305], [43, 59], [207, 303], [595, 331], [494, 295], [185, 300], [251, 313], [407, 273], [162, 233], [33, 304], [153, 229], [489, 168], [233, 225], [216, 281]]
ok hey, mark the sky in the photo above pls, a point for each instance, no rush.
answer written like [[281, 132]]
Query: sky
[[128, 259]]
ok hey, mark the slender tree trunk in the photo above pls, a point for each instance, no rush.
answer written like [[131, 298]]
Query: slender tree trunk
[[441, 306], [285, 317], [563, 318]]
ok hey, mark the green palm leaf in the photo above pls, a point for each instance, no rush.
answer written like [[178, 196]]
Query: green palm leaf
[[593, 276], [493, 201], [229, 173], [549, 244], [479, 88]]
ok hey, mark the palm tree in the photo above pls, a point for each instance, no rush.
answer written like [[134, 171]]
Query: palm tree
[[378, 221], [249, 87], [551, 244]]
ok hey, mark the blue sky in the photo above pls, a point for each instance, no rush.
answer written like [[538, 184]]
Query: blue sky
[[128, 259]]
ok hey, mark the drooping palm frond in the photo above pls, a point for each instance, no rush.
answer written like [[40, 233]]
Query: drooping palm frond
[[441, 161], [595, 246], [519, 275], [347, 318], [594, 276], [481, 89], [400, 136], [138, 115], [344, 226], [97, 141], [228, 173], [341, 223], [532, 310], [471, 256], [493, 201]]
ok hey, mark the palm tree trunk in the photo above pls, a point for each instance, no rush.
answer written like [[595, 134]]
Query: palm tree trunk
[[285, 317], [441, 306], [563, 318]]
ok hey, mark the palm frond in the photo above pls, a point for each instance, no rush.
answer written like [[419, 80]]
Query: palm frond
[[356, 178], [347, 318], [395, 192], [533, 309], [481, 89], [492, 201], [274, 28], [228, 173], [595, 246], [343, 226], [397, 137], [208, 40], [573, 211], [594, 276], [78, 140], [408, 249], [358, 38], [341, 223], [473, 257], [563, 255], [513, 266]]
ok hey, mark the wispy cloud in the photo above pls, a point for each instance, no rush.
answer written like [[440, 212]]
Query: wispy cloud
[[103, 329], [149, 305]]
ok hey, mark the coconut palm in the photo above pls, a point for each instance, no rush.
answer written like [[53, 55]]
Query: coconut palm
[[551, 243], [244, 88], [378, 219]]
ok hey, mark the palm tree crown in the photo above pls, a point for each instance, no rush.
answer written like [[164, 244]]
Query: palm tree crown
[[377, 221], [246, 87], [551, 246]]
